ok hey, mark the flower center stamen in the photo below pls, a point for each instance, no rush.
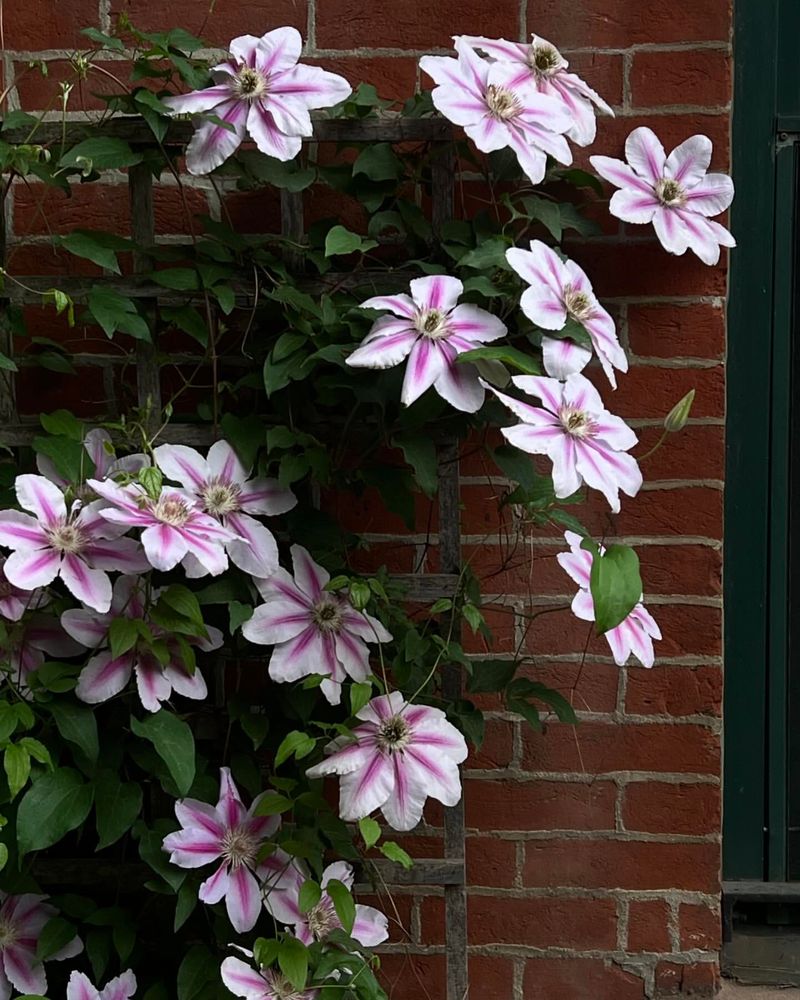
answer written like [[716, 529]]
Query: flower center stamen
[[544, 59], [669, 192], [327, 615], [220, 498], [8, 934], [250, 85], [502, 103], [577, 304], [239, 847], [431, 323], [280, 987], [322, 919], [394, 735], [576, 423], [171, 510], [67, 537]]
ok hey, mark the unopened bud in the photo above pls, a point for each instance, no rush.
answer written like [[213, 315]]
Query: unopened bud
[[359, 594], [676, 419]]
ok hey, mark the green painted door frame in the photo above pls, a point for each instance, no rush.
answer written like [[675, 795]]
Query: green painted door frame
[[766, 139]]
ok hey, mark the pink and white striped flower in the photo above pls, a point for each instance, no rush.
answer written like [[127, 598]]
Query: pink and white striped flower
[[430, 329], [401, 755], [260, 984], [260, 91], [99, 448], [105, 676], [230, 834], [173, 526], [499, 109], [560, 291], [221, 486], [673, 192], [79, 987], [583, 440], [282, 901], [27, 644], [313, 631], [540, 63], [22, 919], [14, 601], [633, 636], [78, 545]]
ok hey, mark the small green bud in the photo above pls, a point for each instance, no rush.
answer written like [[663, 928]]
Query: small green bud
[[360, 594], [676, 419]]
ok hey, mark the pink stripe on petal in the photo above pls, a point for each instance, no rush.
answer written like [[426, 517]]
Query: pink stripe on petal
[[230, 806], [243, 899], [21, 531], [362, 792], [199, 100], [266, 496], [41, 497], [79, 988], [425, 364], [193, 813], [309, 576], [224, 464], [30, 570], [212, 144], [121, 988], [182, 464], [92, 586], [215, 886], [23, 970], [645, 154], [276, 621], [383, 352], [243, 981], [255, 551], [400, 305], [164, 546], [268, 136], [151, 684], [103, 677]]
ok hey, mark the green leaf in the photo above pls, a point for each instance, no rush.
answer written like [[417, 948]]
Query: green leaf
[[173, 742], [122, 636], [37, 750], [55, 934], [490, 675], [343, 903], [182, 600], [116, 312], [293, 961], [3, 856], [77, 724], [517, 465], [265, 951], [17, 765], [490, 253], [310, 894], [62, 423], [359, 696], [179, 279], [54, 805], [83, 244], [184, 905], [294, 744], [504, 353], [419, 450], [379, 162], [370, 831], [67, 454], [117, 805], [341, 241], [271, 804], [198, 968], [616, 586], [103, 153], [8, 364], [188, 319], [106, 41], [394, 852], [522, 688]]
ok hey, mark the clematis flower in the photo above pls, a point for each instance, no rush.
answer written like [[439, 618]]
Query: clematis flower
[[221, 487], [260, 984], [99, 448], [673, 192], [22, 919], [260, 91], [430, 329], [27, 643], [635, 634], [14, 601], [560, 291], [104, 676], [122, 988], [401, 755], [498, 109], [79, 545], [313, 631], [230, 834], [174, 526], [583, 440], [282, 900], [540, 62]]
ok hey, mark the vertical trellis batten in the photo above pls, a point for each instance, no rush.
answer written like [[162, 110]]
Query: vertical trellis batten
[[8, 401], [292, 228], [143, 232]]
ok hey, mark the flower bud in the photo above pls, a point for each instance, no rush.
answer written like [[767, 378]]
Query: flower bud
[[676, 419], [359, 594]]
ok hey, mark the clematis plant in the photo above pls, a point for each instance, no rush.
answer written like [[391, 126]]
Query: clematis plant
[[560, 292], [500, 109], [312, 630], [260, 984], [80, 987], [634, 635], [540, 62], [401, 755], [228, 833], [22, 920], [583, 440], [673, 192], [430, 329], [260, 91], [78, 545], [221, 486]]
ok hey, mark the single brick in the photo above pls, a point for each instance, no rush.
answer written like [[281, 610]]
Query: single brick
[[700, 926], [700, 77], [666, 330], [674, 690], [648, 925]]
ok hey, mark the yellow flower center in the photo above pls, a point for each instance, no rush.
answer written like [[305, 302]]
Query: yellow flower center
[[576, 423], [249, 84], [503, 104], [544, 59], [171, 510], [394, 735], [577, 304], [669, 192], [220, 498]]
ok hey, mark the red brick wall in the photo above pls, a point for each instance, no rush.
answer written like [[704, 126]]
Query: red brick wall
[[593, 854]]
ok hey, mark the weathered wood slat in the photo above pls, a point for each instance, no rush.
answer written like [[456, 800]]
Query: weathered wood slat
[[387, 127]]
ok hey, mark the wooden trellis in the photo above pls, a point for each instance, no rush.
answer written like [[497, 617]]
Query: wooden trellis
[[449, 871]]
